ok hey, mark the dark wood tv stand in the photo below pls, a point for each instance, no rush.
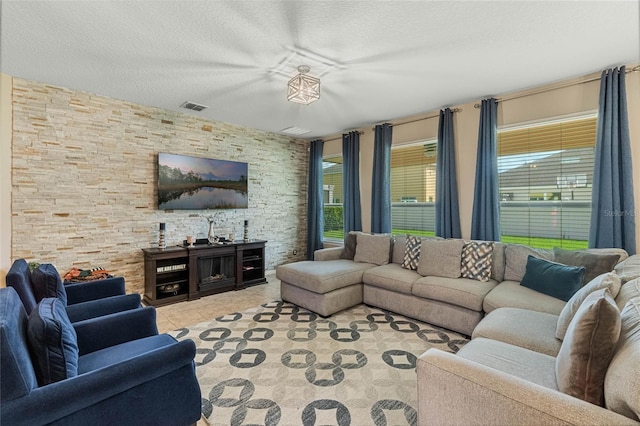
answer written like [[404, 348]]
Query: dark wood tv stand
[[187, 273]]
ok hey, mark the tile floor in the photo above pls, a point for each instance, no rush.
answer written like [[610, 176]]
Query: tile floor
[[178, 315]]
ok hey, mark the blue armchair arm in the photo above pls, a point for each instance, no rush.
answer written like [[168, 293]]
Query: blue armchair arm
[[109, 330], [158, 387], [92, 290], [108, 305]]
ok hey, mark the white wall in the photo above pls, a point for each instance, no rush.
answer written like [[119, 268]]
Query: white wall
[[5, 175]]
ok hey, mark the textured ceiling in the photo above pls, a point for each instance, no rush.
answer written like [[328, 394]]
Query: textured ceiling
[[378, 60]]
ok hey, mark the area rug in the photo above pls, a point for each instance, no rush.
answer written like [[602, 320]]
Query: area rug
[[279, 364]]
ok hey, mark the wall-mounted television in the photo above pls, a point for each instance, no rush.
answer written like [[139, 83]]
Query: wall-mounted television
[[195, 183]]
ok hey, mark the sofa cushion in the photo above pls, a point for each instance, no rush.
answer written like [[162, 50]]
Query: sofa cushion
[[497, 266], [595, 263], [515, 257], [397, 253], [476, 260], [610, 281], [554, 279], [513, 360], [628, 269], [456, 291], [586, 351], [350, 242], [411, 256], [47, 282], [392, 277], [622, 382], [374, 249], [17, 376], [512, 294], [118, 353], [628, 291], [53, 342], [440, 258], [322, 277], [521, 327]]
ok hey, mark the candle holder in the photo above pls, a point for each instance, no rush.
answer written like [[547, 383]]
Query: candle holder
[[162, 243]]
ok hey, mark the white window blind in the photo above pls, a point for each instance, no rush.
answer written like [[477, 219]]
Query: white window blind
[[332, 195], [545, 180], [413, 188]]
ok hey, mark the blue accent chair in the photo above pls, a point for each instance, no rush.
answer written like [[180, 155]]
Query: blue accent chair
[[117, 369], [83, 300]]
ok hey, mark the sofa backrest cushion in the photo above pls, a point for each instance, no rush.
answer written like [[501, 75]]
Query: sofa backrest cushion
[[516, 256], [622, 382], [497, 267], [374, 249], [595, 263], [628, 291], [16, 371], [609, 281], [440, 258], [399, 246], [586, 351], [53, 342], [47, 282], [19, 277], [556, 280], [629, 268]]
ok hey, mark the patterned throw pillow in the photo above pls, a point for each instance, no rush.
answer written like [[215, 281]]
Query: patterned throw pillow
[[477, 258], [411, 253]]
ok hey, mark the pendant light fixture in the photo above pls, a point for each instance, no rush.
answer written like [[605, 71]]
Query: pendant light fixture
[[303, 88]]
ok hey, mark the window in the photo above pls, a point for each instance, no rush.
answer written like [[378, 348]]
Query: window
[[332, 188], [545, 179], [413, 188]]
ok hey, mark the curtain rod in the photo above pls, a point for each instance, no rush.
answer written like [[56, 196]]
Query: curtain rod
[[420, 119], [340, 137], [559, 86]]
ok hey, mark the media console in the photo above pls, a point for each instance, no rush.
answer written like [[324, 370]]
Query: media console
[[181, 273]]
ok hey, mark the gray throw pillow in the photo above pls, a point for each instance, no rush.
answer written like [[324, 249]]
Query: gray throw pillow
[[583, 359], [350, 241], [594, 263], [609, 281], [440, 258], [374, 249]]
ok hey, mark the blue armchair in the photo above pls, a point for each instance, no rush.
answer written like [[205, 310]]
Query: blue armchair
[[112, 370], [84, 300]]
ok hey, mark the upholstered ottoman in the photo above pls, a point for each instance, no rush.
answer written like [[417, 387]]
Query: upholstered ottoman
[[323, 287]]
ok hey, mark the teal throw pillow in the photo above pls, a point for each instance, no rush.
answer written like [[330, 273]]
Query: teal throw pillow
[[53, 342], [554, 279]]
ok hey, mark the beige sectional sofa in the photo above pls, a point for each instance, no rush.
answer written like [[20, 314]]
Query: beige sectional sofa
[[533, 368], [369, 270], [533, 359]]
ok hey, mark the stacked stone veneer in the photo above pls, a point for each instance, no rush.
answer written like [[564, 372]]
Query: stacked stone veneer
[[84, 181]]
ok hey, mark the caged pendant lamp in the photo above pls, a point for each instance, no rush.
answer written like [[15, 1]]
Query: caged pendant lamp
[[303, 88]]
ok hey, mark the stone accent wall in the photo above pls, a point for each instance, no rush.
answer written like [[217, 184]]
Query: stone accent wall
[[84, 181]]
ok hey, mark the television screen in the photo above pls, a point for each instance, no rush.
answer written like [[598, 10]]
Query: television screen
[[194, 183]]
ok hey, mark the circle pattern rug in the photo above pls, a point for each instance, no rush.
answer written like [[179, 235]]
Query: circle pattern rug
[[279, 364]]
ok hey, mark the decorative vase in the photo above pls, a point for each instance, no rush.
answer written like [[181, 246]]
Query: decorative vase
[[162, 243], [212, 235]]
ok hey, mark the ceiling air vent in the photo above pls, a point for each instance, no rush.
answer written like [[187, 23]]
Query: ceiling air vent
[[193, 106], [296, 131]]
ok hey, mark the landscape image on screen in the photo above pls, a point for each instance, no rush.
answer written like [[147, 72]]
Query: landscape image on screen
[[192, 183]]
